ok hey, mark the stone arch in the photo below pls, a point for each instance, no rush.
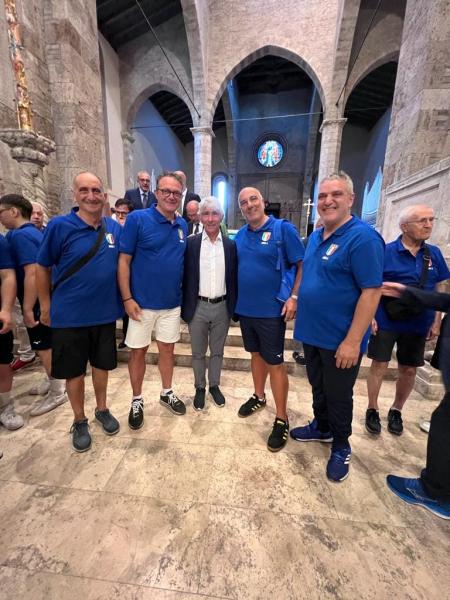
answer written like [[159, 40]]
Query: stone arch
[[353, 81], [259, 53]]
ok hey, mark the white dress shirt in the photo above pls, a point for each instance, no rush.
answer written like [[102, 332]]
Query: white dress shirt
[[212, 267]]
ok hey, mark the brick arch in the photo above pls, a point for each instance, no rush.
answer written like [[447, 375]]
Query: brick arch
[[163, 84], [255, 55], [353, 81]]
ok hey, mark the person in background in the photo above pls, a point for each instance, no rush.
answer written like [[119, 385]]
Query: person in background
[[122, 209]]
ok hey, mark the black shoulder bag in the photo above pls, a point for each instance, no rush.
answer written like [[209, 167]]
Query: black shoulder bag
[[84, 259], [401, 309]]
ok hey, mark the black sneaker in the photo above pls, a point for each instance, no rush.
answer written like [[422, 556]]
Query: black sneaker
[[199, 399], [299, 358], [373, 423], [81, 438], [109, 423], [217, 396], [253, 404], [136, 414], [395, 422], [279, 436], [121, 345], [173, 403]]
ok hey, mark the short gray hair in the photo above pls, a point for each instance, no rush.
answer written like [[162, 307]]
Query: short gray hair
[[407, 213], [211, 202], [340, 176]]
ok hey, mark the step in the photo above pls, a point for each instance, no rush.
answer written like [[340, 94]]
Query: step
[[237, 359]]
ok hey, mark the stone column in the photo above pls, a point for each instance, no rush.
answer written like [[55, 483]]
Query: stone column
[[128, 141], [202, 159], [31, 150], [330, 148]]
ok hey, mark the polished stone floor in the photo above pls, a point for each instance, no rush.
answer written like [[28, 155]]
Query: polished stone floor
[[195, 507]]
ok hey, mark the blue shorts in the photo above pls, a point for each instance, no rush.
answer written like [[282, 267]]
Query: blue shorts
[[265, 336]]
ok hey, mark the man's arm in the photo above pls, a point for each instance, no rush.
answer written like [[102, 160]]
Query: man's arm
[[8, 295], [43, 286], [132, 308], [436, 326], [348, 351], [290, 306], [29, 295]]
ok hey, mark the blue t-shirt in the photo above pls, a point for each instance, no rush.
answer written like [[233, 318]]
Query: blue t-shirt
[[258, 279], [403, 267], [24, 242], [91, 295], [6, 260], [157, 248], [334, 273]]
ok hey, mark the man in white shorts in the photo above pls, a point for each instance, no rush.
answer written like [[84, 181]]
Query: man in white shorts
[[152, 249]]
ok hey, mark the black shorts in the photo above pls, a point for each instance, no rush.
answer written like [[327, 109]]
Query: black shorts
[[6, 347], [40, 337], [73, 347], [265, 336], [410, 347]]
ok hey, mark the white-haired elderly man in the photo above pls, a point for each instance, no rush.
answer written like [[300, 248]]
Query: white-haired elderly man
[[410, 261], [209, 298]]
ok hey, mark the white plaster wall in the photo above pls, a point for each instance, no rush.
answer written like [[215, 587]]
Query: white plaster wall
[[113, 118]]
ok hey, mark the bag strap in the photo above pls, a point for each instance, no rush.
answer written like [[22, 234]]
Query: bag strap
[[84, 259], [425, 265]]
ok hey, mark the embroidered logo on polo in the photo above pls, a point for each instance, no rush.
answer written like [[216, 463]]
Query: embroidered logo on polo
[[110, 239], [265, 237], [330, 251]]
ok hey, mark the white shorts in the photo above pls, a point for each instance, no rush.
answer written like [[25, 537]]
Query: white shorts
[[166, 324]]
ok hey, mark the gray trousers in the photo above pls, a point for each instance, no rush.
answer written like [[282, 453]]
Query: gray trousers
[[209, 325]]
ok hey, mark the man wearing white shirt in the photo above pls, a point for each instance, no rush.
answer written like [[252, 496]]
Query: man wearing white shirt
[[193, 214], [209, 298]]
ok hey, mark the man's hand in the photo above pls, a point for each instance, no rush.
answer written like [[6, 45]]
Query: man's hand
[[434, 331], [28, 318], [44, 317], [392, 289], [289, 309], [6, 321], [374, 327], [347, 354], [133, 309]]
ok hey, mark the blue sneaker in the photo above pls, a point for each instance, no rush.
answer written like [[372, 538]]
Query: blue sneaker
[[338, 464], [310, 433], [413, 492]]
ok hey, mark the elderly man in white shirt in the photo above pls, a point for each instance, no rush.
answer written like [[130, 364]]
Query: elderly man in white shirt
[[209, 298]]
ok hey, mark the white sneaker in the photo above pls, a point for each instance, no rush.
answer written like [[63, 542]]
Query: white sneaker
[[41, 389], [10, 420], [47, 403], [425, 426]]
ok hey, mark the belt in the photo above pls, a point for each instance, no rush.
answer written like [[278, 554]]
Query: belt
[[212, 300]]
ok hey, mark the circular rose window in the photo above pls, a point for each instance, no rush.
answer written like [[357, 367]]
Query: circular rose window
[[270, 153]]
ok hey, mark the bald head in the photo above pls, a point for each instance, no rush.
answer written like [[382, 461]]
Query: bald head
[[37, 215], [193, 211], [82, 176], [252, 206], [250, 190]]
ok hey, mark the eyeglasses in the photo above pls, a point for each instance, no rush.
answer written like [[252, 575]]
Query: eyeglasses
[[122, 213], [423, 221], [166, 193]]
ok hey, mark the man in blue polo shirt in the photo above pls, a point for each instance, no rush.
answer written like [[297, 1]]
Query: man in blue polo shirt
[[24, 240], [262, 316], [150, 275], [85, 301], [8, 417], [338, 296], [405, 260]]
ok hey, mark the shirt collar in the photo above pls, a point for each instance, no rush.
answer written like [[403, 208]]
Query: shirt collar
[[340, 230], [401, 247], [266, 225], [73, 216], [205, 236]]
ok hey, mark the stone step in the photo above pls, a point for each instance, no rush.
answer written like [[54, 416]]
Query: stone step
[[237, 359]]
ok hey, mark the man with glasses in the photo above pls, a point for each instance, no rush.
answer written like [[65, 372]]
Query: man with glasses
[[150, 275], [141, 197], [410, 261]]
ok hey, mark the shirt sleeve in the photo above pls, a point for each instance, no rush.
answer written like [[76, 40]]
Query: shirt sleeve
[[295, 250], [25, 248], [50, 250], [6, 260], [367, 260], [129, 236]]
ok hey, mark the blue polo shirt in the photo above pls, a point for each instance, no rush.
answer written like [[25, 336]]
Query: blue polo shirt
[[334, 273], [6, 261], [157, 247], [258, 279], [403, 267], [91, 295], [24, 242]]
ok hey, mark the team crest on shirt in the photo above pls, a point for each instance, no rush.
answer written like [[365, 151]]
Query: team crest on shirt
[[330, 250], [110, 239], [181, 234], [265, 237]]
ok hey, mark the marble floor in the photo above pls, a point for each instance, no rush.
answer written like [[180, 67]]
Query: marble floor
[[195, 507]]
